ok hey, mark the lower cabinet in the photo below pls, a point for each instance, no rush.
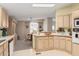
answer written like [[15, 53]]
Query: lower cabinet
[[56, 42], [59, 43], [69, 45], [44, 43], [1, 51], [62, 43], [51, 43], [41, 43], [4, 49], [75, 49]]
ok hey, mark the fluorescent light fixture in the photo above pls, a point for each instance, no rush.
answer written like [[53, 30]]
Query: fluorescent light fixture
[[43, 5]]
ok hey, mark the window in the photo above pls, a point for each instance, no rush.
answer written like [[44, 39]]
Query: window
[[33, 27]]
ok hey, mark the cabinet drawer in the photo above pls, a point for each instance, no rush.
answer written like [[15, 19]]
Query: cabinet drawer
[[75, 49], [69, 39], [50, 37], [42, 38]]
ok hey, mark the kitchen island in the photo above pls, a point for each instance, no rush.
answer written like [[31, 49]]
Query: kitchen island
[[53, 41]]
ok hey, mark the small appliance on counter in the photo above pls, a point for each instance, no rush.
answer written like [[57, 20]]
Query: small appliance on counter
[[4, 32]]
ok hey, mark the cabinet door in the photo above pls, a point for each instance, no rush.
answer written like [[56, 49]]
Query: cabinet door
[[56, 42], [70, 20], [7, 21], [51, 42], [1, 50], [75, 49], [6, 49], [3, 19], [1, 54], [59, 21], [66, 21], [0, 18], [45, 42], [62, 43], [68, 45], [41, 43]]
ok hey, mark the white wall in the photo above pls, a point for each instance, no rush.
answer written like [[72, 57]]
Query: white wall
[[45, 25], [22, 30]]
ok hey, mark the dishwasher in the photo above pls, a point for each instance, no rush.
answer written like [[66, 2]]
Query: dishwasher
[[10, 47]]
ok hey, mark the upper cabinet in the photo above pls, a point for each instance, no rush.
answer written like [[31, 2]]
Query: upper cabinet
[[66, 21], [3, 18], [65, 16], [59, 21], [63, 21]]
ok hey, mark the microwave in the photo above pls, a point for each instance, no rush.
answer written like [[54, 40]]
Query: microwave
[[76, 22]]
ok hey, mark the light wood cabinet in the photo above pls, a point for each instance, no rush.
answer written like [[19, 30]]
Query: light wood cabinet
[[51, 43], [39, 44], [45, 43], [62, 43], [3, 18], [56, 42], [7, 21], [66, 21], [12, 26], [6, 49], [42, 43], [63, 21], [68, 45], [59, 22], [1, 50], [75, 49]]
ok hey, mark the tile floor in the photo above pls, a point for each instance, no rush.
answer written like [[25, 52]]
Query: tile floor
[[24, 48]]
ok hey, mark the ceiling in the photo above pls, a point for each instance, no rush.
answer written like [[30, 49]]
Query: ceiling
[[22, 11]]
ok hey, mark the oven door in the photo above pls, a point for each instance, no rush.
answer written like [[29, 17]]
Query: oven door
[[75, 37]]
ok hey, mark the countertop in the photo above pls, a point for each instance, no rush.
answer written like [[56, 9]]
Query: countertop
[[6, 38], [54, 34]]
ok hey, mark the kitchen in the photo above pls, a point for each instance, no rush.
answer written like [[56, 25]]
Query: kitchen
[[59, 32]]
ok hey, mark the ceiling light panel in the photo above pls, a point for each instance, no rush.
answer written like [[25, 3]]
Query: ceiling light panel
[[43, 5]]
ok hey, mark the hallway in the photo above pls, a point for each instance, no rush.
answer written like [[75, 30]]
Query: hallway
[[22, 45]]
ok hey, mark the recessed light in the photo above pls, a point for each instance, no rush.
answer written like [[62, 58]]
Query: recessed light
[[43, 5]]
